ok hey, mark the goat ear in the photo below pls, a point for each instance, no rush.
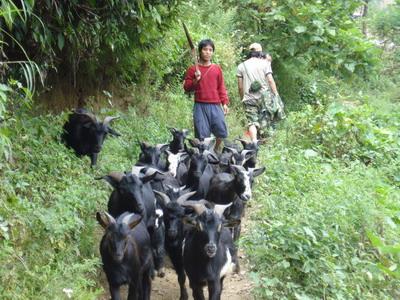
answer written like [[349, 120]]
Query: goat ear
[[172, 129], [243, 142], [231, 223], [104, 219], [112, 131], [194, 142], [151, 173], [188, 220], [112, 180], [258, 171], [233, 169], [162, 147], [134, 220], [212, 158], [220, 208], [144, 146], [162, 197]]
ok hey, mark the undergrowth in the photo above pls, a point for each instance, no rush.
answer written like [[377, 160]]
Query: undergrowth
[[326, 223]]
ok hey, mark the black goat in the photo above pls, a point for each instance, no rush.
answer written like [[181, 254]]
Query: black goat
[[126, 255], [133, 193], [254, 146], [234, 187], [151, 156], [200, 171], [83, 133], [208, 251], [178, 142], [173, 215]]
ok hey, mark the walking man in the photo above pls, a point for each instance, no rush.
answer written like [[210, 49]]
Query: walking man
[[258, 92]]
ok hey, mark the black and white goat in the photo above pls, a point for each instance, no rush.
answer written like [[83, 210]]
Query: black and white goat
[[208, 251]]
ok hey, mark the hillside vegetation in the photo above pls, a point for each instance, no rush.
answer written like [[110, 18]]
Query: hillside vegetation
[[325, 215]]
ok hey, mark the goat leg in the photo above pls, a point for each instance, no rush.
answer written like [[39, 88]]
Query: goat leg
[[214, 289], [114, 291], [197, 292]]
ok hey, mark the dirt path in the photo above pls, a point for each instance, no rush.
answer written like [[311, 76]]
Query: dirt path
[[236, 286]]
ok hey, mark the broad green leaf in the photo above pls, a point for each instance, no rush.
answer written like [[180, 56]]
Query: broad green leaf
[[331, 31], [279, 17], [5, 88], [350, 67], [317, 38], [60, 41], [309, 153], [300, 29]]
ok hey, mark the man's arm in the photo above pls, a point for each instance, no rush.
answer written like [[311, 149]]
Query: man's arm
[[240, 86], [272, 84]]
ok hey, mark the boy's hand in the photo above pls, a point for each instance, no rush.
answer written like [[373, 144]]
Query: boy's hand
[[197, 75], [225, 109]]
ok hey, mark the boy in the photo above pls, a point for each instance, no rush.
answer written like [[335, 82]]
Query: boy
[[210, 96]]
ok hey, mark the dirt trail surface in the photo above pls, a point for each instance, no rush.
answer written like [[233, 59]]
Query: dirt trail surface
[[236, 286]]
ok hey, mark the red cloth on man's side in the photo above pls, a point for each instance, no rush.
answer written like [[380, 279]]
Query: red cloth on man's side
[[211, 88]]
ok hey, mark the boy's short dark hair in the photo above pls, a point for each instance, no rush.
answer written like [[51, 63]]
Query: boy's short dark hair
[[206, 42]]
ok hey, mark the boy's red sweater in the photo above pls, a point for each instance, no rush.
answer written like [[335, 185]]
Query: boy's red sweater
[[210, 88]]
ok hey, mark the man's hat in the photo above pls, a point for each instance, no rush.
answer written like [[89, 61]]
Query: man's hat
[[255, 47]]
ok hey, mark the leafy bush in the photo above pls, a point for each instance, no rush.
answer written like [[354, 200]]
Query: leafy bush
[[311, 226], [347, 131], [304, 37]]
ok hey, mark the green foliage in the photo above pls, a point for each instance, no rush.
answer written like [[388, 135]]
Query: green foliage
[[82, 37], [309, 239], [304, 37], [332, 201], [386, 23], [347, 132]]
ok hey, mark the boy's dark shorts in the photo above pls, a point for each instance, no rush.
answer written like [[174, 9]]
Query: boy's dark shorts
[[209, 118]]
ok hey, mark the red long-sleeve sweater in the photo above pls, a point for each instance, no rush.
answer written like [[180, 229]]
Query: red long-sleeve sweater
[[210, 88]]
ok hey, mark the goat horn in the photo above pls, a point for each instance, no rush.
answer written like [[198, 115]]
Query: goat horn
[[199, 208], [233, 150], [105, 219], [184, 197], [219, 208], [117, 176], [163, 197], [107, 120], [242, 140], [207, 203], [136, 170], [150, 171], [88, 114], [159, 146], [245, 152]]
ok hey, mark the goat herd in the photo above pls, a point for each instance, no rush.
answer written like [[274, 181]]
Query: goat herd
[[182, 200]]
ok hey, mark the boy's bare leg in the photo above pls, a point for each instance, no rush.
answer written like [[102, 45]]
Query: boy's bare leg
[[217, 145], [253, 133]]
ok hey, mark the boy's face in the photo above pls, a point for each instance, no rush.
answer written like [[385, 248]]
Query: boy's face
[[206, 53]]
